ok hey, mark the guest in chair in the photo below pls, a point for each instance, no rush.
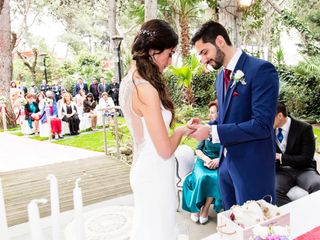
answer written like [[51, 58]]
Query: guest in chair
[[201, 187]]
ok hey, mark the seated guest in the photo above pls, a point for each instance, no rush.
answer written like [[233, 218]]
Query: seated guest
[[18, 103], [51, 112], [79, 99], [69, 113], [294, 158], [32, 112], [89, 105], [13, 84], [106, 105], [40, 99], [201, 187]]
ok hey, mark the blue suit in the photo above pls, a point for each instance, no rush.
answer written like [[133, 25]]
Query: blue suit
[[245, 129]]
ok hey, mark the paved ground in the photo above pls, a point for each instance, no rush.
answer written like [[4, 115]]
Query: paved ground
[[19, 153]]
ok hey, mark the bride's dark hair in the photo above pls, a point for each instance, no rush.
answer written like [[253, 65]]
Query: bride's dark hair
[[157, 35]]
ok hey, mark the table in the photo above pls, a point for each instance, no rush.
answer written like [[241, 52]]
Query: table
[[304, 215]]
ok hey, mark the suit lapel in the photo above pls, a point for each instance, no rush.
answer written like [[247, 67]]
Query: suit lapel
[[291, 135], [230, 90]]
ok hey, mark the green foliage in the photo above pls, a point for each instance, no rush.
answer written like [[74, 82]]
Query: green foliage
[[89, 66], [308, 12], [66, 69], [254, 15], [186, 112], [174, 89], [311, 46], [279, 57], [316, 131], [300, 88], [184, 76], [204, 88], [185, 73]]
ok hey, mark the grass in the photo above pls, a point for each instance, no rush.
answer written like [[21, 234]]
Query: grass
[[95, 140], [38, 138], [11, 129], [316, 132], [91, 141], [19, 134]]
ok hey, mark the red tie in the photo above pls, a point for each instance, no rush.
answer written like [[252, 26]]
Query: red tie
[[226, 77]]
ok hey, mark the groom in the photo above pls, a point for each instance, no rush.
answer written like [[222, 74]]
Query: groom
[[247, 92]]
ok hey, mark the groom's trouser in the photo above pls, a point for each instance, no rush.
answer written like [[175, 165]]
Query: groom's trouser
[[239, 182]]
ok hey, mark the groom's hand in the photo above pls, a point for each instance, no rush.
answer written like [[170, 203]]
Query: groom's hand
[[201, 131]]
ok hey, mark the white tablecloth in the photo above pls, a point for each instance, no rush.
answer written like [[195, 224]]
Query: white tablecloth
[[304, 215]]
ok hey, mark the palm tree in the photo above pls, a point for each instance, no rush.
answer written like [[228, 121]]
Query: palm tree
[[185, 9], [185, 75]]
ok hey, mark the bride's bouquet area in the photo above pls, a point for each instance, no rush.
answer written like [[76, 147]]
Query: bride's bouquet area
[[254, 220]]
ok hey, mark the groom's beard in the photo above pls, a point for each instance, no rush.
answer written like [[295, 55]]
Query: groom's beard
[[218, 61]]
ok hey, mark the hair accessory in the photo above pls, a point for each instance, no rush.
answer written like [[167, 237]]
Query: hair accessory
[[147, 33]]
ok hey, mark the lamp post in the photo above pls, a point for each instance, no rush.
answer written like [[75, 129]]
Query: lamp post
[[117, 58], [45, 66]]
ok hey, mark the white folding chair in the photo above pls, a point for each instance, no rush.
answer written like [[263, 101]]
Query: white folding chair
[[184, 156]]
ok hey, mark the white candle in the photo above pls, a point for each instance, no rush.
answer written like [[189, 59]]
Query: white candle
[[55, 207], [78, 207], [3, 217], [34, 219]]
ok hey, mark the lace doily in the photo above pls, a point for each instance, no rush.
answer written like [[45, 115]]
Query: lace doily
[[112, 222]]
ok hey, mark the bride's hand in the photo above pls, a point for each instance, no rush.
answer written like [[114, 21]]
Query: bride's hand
[[185, 130]]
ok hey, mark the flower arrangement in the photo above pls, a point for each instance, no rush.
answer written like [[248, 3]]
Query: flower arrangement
[[237, 77], [271, 233], [3, 100], [253, 212]]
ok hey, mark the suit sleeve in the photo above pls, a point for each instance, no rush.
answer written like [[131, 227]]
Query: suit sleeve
[[305, 157], [265, 87]]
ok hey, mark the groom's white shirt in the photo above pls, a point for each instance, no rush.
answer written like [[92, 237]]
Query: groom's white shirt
[[231, 66]]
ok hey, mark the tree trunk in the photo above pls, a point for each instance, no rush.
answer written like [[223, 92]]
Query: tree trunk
[[6, 46], [231, 18], [150, 9], [112, 21], [185, 39], [1, 5], [5, 50]]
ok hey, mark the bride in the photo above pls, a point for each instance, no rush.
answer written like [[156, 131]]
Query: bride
[[149, 112]]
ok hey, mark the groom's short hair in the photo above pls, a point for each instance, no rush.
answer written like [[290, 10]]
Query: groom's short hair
[[282, 109], [209, 31]]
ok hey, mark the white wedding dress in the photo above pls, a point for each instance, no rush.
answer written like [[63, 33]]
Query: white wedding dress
[[151, 177]]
